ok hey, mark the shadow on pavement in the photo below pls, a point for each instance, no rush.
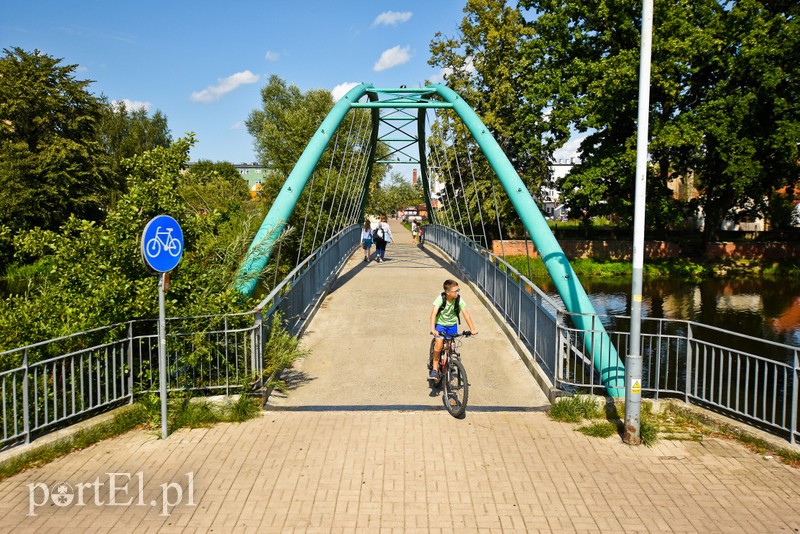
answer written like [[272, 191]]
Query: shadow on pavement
[[401, 408]]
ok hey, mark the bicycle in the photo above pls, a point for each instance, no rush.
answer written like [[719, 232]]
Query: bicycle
[[452, 375]]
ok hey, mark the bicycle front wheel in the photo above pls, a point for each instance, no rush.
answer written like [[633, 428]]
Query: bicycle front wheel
[[456, 388]]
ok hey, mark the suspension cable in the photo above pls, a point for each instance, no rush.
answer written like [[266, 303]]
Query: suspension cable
[[463, 189], [350, 176], [361, 171], [449, 175], [477, 198], [497, 215], [338, 179], [325, 192], [447, 218]]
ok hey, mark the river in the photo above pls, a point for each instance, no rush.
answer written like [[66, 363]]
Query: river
[[763, 308]]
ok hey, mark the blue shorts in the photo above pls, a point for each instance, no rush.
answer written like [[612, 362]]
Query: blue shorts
[[366, 243], [449, 330]]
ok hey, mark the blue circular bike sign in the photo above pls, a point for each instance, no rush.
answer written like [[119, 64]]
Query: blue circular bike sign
[[162, 243]]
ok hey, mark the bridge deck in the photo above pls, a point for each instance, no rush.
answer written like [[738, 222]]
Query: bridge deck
[[370, 338], [359, 445]]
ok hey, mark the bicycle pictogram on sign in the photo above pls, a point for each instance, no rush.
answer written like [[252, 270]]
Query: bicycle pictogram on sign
[[163, 239], [162, 244]]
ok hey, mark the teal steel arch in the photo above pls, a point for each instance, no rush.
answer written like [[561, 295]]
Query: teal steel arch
[[604, 355]]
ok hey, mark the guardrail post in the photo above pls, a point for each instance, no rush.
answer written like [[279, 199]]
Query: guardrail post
[[519, 308], [26, 412], [688, 363], [256, 347], [130, 361], [227, 356], [560, 357], [795, 394], [658, 358]]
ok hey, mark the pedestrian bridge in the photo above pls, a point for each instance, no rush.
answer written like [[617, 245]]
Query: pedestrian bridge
[[378, 332], [358, 441]]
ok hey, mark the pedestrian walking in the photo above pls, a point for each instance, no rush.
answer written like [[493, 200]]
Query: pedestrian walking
[[366, 240], [382, 235]]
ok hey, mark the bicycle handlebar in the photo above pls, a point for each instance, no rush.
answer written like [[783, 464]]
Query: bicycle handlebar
[[465, 333]]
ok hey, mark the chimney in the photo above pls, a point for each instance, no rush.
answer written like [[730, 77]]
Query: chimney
[[414, 177]]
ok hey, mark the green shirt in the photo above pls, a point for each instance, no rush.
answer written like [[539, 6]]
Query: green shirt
[[447, 317]]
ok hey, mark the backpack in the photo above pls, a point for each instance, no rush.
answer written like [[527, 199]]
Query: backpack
[[378, 233], [456, 307]]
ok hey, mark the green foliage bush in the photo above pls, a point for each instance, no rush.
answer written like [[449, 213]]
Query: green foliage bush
[[91, 274]]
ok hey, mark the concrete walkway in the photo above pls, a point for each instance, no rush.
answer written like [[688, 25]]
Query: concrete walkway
[[359, 445]]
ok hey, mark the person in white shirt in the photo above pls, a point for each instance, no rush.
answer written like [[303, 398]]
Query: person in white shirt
[[382, 236]]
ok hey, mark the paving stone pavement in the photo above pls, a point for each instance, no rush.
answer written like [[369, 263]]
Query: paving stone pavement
[[378, 453]]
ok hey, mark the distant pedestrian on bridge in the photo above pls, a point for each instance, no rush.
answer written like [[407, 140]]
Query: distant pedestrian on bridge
[[382, 236], [366, 240]]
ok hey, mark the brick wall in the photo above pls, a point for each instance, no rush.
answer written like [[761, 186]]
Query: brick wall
[[766, 250], [622, 250], [614, 250]]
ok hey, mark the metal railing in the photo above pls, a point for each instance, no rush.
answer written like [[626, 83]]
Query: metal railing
[[61, 381], [749, 379]]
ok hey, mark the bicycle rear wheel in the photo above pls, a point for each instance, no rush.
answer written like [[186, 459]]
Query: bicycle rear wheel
[[456, 388]]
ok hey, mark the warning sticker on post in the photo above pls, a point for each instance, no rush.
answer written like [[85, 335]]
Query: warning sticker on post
[[636, 387]]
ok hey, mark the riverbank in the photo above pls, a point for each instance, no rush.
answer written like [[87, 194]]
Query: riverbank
[[683, 269]]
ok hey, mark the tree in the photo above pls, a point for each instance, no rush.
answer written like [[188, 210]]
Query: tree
[[51, 163], [286, 122], [750, 113], [724, 88], [395, 195], [124, 132], [483, 64]]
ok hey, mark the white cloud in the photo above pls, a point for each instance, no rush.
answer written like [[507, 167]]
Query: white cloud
[[130, 105], [469, 66], [568, 154], [392, 18], [237, 125], [340, 90], [213, 93], [272, 56], [392, 58]]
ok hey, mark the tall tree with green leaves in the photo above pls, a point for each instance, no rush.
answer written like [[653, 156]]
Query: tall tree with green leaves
[[124, 132], [723, 107], [51, 162], [483, 65], [750, 112]]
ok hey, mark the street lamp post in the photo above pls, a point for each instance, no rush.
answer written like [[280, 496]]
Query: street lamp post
[[633, 364]]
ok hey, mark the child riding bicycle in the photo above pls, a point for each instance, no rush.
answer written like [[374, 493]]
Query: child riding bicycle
[[445, 318]]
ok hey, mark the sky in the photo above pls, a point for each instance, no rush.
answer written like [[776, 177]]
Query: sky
[[203, 63]]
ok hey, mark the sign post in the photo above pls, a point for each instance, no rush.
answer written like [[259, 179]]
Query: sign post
[[162, 248]]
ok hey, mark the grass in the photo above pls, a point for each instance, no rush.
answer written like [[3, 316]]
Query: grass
[[574, 409], [599, 429], [671, 422], [125, 420], [184, 411], [606, 422]]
